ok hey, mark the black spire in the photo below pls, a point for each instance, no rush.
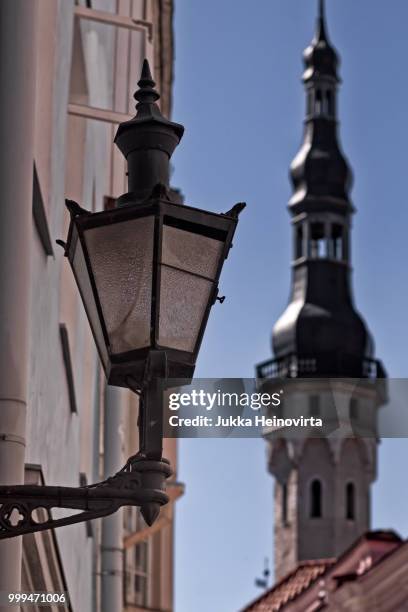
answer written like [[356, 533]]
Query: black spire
[[321, 21], [321, 333], [320, 57], [320, 170]]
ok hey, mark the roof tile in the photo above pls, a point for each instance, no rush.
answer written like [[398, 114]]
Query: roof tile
[[290, 586]]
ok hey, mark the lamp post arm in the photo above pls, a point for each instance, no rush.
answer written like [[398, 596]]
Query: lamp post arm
[[141, 482]]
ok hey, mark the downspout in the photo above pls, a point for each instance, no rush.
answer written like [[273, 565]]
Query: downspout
[[18, 53], [112, 526], [96, 477]]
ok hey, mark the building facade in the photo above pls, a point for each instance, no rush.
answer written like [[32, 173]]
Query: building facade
[[323, 346], [370, 575], [68, 74]]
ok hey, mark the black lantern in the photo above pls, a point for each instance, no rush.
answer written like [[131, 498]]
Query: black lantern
[[148, 269], [148, 274]]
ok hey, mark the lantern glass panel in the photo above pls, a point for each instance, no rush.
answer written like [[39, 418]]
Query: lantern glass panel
[[191, 252], [82, 278], [121, 256], [183, 301]]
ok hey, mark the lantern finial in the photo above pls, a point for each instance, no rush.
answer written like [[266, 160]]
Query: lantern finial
[[146, 94], [146, 73], [147, 141]]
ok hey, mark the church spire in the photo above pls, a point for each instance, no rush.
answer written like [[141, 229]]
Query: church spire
[[322, 486], [321, 9], [321, 325], [321, 21], [320, 170], [320, 57]]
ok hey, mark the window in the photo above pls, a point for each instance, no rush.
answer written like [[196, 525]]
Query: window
[[350, 502], [299, 242], [69, 370], [314, 406], [310, 103], [319, 105], [318, 243], [316, 499], [336, 241], [353, 410], [284, 504], [329, 103], [136, 563]]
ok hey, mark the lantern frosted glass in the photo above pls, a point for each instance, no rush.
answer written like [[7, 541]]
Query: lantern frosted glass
[[148, 276]]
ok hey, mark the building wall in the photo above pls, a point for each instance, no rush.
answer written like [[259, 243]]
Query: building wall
[[82, 62], [286, 529], [335, 462]]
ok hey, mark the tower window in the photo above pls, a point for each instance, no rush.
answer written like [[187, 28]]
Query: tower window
[[353, 410], [319, 102], [314, 406], [337, 242], [318, 243], [299, 242], [310, 102], [316, 499], [350, 502], [284, 504], [329, 103]]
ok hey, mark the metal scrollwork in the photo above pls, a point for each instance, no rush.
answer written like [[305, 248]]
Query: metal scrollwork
[[139, 483]]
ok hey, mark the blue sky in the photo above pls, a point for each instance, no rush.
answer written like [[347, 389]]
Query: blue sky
[[239, 95]]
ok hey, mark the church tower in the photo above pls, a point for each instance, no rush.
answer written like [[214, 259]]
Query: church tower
[[322, 344]]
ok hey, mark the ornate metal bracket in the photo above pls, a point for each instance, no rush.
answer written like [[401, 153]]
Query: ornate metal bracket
[[141, 482]]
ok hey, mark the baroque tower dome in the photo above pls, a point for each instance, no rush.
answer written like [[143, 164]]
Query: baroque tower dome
[[323, 473], [321, 327]]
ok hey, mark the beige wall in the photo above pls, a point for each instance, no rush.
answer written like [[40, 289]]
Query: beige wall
[[88, 63], [335, 462]]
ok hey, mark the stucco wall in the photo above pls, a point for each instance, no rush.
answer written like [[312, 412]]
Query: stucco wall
[[93, 64]]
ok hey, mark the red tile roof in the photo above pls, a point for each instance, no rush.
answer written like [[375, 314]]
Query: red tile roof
[[307, 572], [291, 586]]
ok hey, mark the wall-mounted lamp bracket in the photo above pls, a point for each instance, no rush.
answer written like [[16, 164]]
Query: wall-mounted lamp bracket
[[141, 482]]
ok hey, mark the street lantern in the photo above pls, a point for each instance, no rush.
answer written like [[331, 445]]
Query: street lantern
[[147, 271], [148, 276]]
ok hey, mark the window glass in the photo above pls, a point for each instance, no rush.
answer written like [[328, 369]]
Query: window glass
[[350, 501], [316, 499]]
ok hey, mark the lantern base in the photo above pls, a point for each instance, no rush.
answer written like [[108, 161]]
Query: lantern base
[[132, 375]]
